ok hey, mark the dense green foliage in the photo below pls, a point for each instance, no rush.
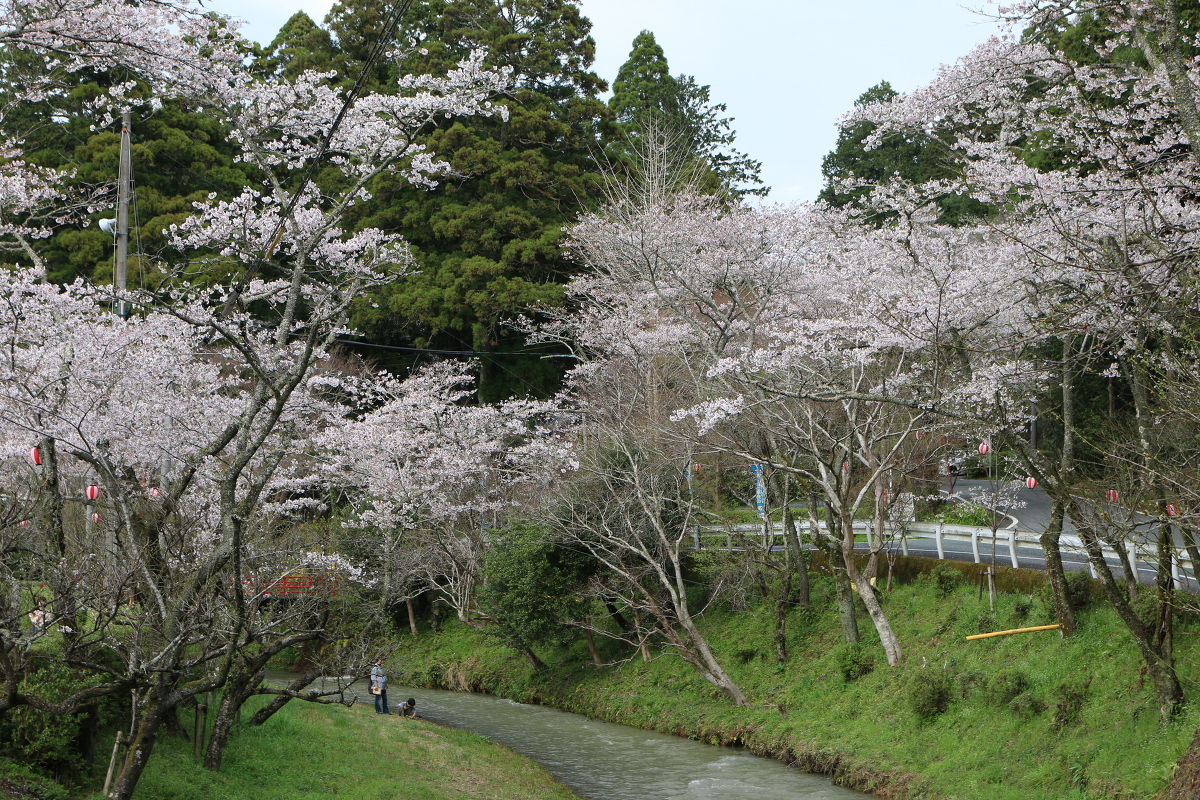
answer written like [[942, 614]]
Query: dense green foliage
[[531, 587], [853, 170], [488, 238]]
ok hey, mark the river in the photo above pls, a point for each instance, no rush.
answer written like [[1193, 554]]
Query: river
[[604, 761]]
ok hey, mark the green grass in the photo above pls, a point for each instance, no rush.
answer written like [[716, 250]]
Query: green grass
[[991, 743], [311, 751]]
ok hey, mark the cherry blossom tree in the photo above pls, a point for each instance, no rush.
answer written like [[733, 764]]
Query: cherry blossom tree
[[194, 417], [429, 474], [1093, 163]]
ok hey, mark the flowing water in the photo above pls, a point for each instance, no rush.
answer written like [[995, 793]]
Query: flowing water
[[603, 761]]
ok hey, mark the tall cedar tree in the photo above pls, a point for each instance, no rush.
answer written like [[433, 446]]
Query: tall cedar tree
[[180, 156], [487, 238], [852, 170], [645, 96]]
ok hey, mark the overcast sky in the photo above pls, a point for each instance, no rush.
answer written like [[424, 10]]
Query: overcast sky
[[787, 69]]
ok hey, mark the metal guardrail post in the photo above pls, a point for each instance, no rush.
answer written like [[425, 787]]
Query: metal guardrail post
[[1174, 568], [975, 545], [904, 540], [695, 538], [1012, 547], [938, 537]]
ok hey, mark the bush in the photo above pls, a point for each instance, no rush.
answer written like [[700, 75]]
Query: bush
[[986, 623], [38, 739], [1006, 685], [854, 661], [1079, 590], [1026, 705], [18, 781], [946, 579], [930, 695], [967, 514], [1069, 706], [1022, 609]]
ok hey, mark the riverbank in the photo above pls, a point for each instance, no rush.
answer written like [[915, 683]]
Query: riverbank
[[317, 751], [1003, 719]]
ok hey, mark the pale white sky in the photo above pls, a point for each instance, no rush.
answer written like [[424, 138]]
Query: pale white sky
[[787, 69]]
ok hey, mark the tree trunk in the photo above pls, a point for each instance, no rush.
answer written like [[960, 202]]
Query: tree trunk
[[238, 688], [141, 745], [1158, 664], [841, 584], [412, 616], [887, 636], [803, 590], [591, 643], [1063, 612]]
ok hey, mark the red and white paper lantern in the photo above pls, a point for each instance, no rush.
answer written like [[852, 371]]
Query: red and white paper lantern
[[92, 492], [35, 456], [984, 448], [96, 517], [155, 492], [1031, 482], [24, 523], [1172, 510], [1112, 495]]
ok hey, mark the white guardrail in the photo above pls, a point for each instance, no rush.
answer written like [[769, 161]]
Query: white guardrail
[[1010, 539]]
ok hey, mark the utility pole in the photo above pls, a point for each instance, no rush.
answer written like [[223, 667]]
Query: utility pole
[[121, 306]]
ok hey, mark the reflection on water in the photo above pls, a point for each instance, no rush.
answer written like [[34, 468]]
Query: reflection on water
[[603, 761]]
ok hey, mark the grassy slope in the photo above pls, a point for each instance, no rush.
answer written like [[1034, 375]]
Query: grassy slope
[[309, 751], [864, 732]]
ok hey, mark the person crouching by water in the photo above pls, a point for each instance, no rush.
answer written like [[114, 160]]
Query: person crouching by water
[[379, 687], [408, 708]]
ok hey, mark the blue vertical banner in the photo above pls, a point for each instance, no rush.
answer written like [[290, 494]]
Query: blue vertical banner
[[760, 488]]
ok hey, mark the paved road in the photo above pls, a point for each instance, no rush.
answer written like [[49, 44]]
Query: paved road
[[1033, 514]]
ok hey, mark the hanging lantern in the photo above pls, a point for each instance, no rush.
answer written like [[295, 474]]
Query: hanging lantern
[[155, 492], [24, 523], [92, 492], [920, 434], [984, 448], [35, 456], [1031, 482], [1172, 510], [96, 517], [1112, 495]]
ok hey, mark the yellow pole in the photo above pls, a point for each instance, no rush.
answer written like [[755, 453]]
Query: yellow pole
[[1014, 630]]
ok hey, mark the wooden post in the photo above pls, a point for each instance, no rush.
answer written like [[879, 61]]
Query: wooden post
[[112, 762], [198, 731]]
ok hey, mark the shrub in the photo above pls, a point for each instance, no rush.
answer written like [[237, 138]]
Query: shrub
[[1069, 705], [1026, 705], [986, 623], [946, 579], [1006, 685], [1079, 590], [967, 514], [854, 661], [38, 739], [930, 695], [1022, 608]]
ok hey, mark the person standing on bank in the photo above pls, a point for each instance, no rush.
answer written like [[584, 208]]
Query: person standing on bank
[[379, 687]]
